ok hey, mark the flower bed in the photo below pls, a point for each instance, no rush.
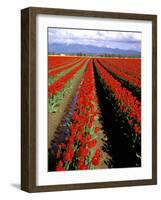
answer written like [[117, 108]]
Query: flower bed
[[127, 103], [79, 150]]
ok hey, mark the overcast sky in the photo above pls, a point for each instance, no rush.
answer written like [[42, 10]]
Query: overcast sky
[[111, 39]]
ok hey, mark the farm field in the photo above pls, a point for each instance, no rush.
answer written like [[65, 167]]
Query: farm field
[[94, 112]]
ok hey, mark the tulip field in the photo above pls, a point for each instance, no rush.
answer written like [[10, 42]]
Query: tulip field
[[94, 112]]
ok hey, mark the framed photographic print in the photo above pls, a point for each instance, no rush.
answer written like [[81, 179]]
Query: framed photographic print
[[88, 99]]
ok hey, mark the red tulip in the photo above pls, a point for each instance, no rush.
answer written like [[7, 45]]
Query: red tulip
[[60, 166]]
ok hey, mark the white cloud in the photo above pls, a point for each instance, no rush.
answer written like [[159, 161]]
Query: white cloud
[[112, 39]]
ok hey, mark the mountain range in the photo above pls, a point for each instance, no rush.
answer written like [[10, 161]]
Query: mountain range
[[58, 48]]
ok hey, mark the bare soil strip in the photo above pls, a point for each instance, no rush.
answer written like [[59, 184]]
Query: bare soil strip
[[102, 140]]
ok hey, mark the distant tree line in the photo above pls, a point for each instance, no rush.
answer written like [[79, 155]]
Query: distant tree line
[[120, 55], [98, 55]]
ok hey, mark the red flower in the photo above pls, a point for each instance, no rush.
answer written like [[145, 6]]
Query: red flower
[[137, 129], [83, 167], [79, 136], [96, 158], [89, 125], [130, 121], [88, 136], [81, 164], [92, 143], [67, 156], [83, 152], [71, 139], [83, 141], [60, 166], [91, 119], [97, 129], [61, 145], [98, 152]]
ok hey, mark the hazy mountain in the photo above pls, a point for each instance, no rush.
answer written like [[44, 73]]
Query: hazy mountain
[[88, 49]]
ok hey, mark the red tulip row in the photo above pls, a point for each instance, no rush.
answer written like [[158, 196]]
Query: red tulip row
[[126, 101], [60, 83], [57, 71], [79, 151], [130, 66], [57, 61], [132, 80]]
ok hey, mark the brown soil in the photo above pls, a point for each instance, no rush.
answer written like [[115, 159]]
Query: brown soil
[[55, 118], [101, 142]]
